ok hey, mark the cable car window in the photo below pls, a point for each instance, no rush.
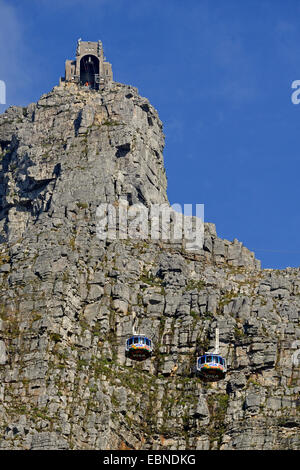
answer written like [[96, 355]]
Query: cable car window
[[208, 358], [202, 360], [147, 342], [136, 340]]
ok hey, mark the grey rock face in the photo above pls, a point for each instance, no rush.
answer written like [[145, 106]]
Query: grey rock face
[[70, 300], [75, 149]]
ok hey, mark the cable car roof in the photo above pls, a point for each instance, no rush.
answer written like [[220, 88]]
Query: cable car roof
[[134, 336], [211, 354]]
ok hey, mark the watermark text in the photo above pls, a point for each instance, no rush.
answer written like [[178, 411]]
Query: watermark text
[[295, 95], [2, 92], [174, 223]]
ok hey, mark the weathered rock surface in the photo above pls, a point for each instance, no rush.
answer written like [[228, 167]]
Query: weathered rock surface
[[68, 299]]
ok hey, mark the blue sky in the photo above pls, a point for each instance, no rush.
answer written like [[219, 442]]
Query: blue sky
[[218, 72]]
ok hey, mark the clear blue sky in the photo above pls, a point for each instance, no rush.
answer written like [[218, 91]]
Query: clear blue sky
[[218, 72]]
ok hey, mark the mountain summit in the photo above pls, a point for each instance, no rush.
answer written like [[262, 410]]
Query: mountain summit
[[70, 300]]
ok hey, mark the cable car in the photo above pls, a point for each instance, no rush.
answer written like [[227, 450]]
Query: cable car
[[211, 365], [138, 347]]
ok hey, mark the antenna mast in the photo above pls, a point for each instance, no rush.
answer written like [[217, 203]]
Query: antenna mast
[[217, 341], [133, 322]]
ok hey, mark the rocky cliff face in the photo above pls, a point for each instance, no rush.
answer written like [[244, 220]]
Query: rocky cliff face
[[68, 299]]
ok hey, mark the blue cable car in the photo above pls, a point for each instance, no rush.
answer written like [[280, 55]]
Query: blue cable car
[[211, 366], [138, 347]]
